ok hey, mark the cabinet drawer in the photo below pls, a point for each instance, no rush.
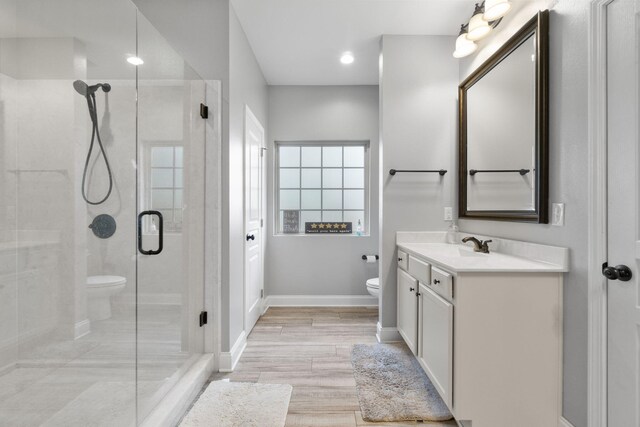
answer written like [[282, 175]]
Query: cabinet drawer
[[403, 260], [441, 283], [419, 269]]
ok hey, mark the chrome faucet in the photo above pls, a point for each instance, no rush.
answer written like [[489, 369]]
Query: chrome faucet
[[479, 245]]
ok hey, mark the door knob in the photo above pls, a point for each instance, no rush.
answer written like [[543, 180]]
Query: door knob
[[250, 237], [619, 272]]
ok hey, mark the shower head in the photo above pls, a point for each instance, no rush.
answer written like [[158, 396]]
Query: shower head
[[85, 90]]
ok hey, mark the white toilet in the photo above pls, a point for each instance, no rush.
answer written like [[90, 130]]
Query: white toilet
[[99, 291], [373, 286]]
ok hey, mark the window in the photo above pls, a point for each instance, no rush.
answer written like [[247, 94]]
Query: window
[[165, 189], [323, 182]]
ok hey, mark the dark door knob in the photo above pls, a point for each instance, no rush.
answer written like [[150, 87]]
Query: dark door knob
[[619, 272], [250, 237]]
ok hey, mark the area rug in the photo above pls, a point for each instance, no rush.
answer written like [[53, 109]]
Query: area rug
[[393, 387], [227, 404]]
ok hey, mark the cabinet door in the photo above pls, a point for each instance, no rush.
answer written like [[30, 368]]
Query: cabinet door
[[436, 342], [408, 309]]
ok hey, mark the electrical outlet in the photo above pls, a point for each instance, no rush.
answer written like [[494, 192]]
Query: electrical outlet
[[557, 214], [448, 213]]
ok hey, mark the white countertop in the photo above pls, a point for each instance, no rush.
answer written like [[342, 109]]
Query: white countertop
[[462, 259]]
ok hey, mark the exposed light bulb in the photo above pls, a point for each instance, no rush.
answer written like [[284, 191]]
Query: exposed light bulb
[[134, 60], [347, 58]]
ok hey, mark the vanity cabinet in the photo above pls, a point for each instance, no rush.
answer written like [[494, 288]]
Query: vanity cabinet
[[408, 309], [436, 341], [487, 334]]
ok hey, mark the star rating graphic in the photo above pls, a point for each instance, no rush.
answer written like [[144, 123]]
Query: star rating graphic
[[328, 227]]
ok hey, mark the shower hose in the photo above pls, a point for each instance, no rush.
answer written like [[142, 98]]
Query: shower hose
[[95, 136]]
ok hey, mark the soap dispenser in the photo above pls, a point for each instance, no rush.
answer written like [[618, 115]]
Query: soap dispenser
[[452, 233]]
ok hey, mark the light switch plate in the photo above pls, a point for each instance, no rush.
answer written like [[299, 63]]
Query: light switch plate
[[557, 214], [448, 213]]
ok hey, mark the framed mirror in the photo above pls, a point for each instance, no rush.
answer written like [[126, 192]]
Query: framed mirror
[[504, 131]]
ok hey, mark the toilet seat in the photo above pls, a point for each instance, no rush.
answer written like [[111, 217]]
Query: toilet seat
[[105, 281], [374, 283]]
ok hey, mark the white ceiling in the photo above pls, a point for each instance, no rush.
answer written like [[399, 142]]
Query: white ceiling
[[299, 42]]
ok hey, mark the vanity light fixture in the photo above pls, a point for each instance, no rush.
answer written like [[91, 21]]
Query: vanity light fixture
[[495, 9], [347, 58], [464, 46], [478, 27], [486, 16], [134, 60]]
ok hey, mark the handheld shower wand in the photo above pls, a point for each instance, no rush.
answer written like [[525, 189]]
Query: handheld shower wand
[[89, 92]]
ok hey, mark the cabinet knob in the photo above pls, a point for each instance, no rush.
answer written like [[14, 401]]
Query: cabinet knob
[[436, 281], [412, 289], [399, 259], [418, 294]]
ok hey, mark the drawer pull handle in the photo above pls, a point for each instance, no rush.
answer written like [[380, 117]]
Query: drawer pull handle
[[399, 259], [412, 289], [418, 294], [436, 281]]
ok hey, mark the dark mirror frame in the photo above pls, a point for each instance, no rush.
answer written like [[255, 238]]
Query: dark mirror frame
[[538, 26]]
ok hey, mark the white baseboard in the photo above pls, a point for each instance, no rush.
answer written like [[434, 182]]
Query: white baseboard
[[81, 329], [564, 422], [387, 334], [229, 360], [173, 406], [321, 301]]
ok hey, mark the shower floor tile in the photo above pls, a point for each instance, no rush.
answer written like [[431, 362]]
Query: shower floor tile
[[92, 380]]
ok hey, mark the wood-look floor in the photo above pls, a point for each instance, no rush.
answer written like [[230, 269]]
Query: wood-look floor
[[310, 348]]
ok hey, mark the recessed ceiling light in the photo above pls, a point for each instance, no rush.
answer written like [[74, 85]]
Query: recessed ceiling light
[[134, 60], [347, 58]]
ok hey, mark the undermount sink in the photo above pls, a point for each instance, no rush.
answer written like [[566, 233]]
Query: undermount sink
[[469, 252]]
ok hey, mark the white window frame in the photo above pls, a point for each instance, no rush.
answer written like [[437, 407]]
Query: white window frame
[[277, 227], [146, 184]]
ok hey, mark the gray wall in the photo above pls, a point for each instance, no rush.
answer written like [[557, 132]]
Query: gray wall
[[247, 86], [192, 28], [568, 184], [212, 26], [418, 120], [322, 113]]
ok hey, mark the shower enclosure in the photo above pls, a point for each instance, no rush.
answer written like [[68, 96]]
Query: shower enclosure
[[97, 324]]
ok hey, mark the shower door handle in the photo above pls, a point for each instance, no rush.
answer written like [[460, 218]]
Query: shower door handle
[[160, 232]]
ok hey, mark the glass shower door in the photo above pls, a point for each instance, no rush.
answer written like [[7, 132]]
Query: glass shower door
[[68, 292], [171, 148]]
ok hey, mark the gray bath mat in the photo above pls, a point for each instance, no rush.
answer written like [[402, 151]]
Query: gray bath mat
[[392, 386], [227, 404]]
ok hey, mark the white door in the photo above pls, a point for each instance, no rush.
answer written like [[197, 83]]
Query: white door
[[436, 341], [623, 77], [253, 185], [408, 309]]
